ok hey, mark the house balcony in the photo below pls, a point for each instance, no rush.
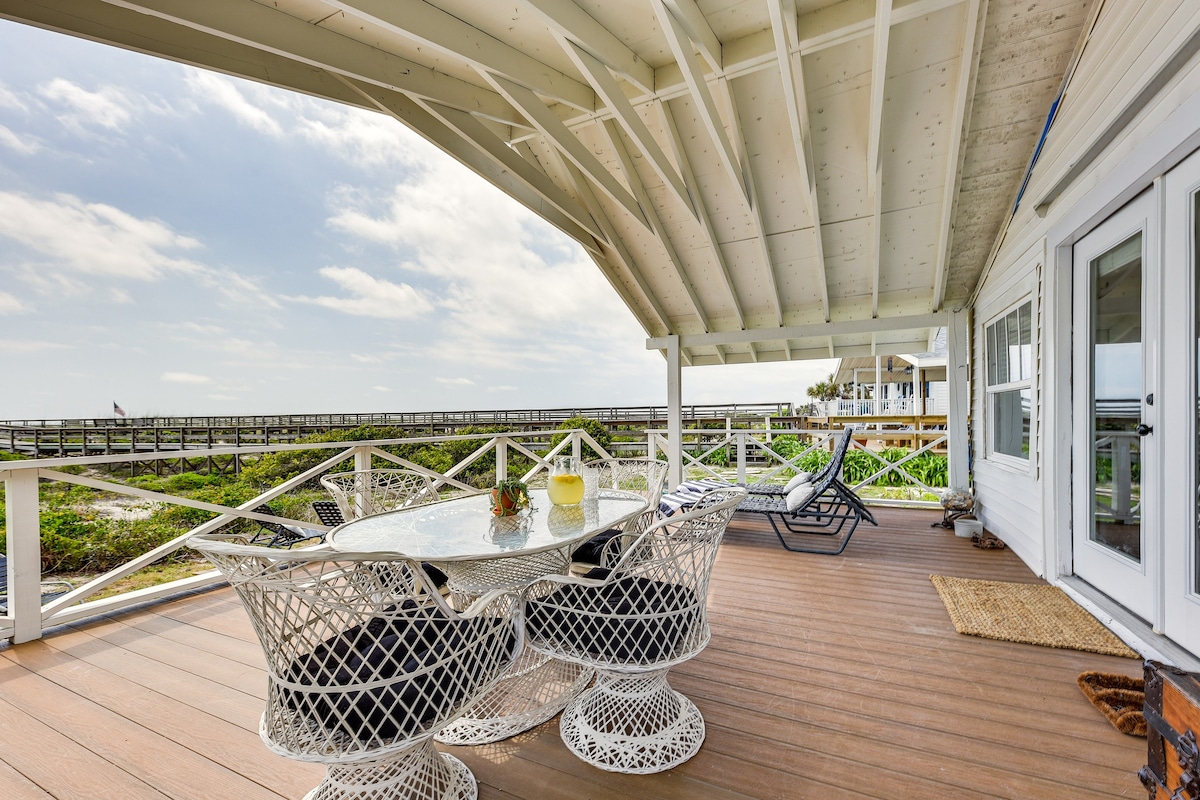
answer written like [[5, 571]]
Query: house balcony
[[830, 677]]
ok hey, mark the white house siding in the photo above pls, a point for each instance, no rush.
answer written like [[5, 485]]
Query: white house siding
[[1010, 503], [1129, 44]]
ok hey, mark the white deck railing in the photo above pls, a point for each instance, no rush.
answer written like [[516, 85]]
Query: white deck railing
[[887, 407], [27, 617]]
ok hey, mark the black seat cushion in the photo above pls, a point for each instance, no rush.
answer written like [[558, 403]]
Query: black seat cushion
[[420, 656], [590, 551], [435, 575], [631, 620]]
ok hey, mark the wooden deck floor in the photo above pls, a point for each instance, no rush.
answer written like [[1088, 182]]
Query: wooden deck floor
[[827, 677]]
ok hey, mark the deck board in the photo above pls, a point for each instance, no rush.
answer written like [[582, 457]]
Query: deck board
[[827, 677]]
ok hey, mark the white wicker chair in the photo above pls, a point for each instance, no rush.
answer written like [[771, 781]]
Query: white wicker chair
[[366, 663], [642, 476], [647, 614], [373, 491]]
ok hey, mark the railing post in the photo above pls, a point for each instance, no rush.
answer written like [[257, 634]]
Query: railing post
[[741, 457], [362, 463], [24, 554], [576, 445], [501, 460]]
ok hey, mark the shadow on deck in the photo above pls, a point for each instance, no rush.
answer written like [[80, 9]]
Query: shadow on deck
[[827, 677]]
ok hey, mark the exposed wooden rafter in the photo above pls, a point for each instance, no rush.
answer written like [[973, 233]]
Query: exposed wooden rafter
[[263, 28], [557, 133], [575, 24], [706, 107], [968, 67], [783, 28], [883, 30], [820, 330], [610, 92], [693, 21], [432, 27]]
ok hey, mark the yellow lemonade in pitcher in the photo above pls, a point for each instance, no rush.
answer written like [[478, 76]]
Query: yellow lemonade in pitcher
[[565, 489]]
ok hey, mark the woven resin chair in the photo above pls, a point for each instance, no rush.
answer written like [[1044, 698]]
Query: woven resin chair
[[373, 491], [366, 663], [643, 476], [632, 624]]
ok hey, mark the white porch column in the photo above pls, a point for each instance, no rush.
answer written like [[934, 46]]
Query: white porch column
[[674, 414], [958, 372], [24, 554]]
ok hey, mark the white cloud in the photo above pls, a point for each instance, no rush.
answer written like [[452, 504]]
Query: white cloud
[[119, 297], [185, 377], [365, 359], [502, 388], [94, 238], [202, 330], [222, 397], [9, 99], [16, 143], [226, 94], [363, 138], [9, 304], [109, 108], [370, 296], [456, 381], [381, 388]]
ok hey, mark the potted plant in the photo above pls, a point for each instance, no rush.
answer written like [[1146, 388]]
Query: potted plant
[[509, 497]]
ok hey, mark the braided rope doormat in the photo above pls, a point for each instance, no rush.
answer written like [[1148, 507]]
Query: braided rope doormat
[[1025, 612]]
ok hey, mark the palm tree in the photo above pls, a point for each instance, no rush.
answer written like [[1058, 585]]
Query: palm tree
[[825, 390]]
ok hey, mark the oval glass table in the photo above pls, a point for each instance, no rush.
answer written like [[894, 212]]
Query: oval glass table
[[480, 552]]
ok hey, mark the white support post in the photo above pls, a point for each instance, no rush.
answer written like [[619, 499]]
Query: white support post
[[741, 457], [24, 554], [958, 373], [501, 460], [674, 413], [576, 446], [362, 463]]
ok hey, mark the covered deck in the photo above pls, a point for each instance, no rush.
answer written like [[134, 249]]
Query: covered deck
[[830, 677]]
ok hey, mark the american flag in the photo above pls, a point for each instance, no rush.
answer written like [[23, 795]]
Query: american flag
[[117, 409]]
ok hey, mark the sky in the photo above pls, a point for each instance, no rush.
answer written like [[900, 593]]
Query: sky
[[180, 242]]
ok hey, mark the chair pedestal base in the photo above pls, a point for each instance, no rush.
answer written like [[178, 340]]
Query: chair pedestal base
[[632, 723], [417, 773]]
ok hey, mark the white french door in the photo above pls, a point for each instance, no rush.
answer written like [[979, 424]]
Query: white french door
[[1180, 409], [1115, 546]]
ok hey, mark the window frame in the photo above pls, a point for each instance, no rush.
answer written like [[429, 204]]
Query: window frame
[[992, 390]]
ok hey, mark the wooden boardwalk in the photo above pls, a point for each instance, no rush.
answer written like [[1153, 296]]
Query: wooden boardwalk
[[827, 677]]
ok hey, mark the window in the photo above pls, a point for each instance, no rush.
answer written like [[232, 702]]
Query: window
[[1010, 381]]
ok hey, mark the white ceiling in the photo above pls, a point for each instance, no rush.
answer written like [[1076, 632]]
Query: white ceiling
[[768, 179]]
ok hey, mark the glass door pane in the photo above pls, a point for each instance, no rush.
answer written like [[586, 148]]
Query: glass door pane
[[1116, 392]]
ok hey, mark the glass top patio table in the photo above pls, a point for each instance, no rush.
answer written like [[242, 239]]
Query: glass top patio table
[[464, 528]]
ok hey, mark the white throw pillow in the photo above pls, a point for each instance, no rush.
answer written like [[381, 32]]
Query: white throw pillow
[[797, 496], [801, 477]]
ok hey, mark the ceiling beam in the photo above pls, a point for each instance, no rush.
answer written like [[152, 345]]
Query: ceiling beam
[[883, 30], [656, 226], [755, 206], [819, 330], [784, 29], [693, 21], [438, 30], [898, 348], [573, 23], [706, 108], [968, 68], [558, 134], [264, 28], [710, 234], [610, 92]]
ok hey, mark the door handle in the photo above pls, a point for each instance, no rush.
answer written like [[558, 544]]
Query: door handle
[[1143, 429]]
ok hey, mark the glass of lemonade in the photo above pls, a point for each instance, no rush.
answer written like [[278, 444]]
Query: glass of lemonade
[[565, 484]]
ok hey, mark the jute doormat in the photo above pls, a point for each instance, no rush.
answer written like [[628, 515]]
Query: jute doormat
[[1025, 612]]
